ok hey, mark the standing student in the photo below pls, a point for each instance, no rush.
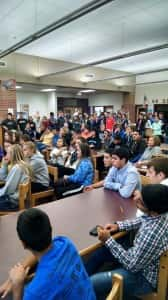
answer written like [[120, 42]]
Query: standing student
[[14, 171], [138, 263], [60, 273]]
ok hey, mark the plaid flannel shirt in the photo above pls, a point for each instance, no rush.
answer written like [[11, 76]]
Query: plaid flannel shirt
[[150, 242]]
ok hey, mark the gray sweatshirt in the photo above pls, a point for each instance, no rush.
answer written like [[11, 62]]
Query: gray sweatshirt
[[39, 168], [12, 180]]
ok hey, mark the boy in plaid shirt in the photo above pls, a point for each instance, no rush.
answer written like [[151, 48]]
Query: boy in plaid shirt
[[137, 263]]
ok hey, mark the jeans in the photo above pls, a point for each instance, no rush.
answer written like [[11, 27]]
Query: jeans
[[134, 283], [6, 204]]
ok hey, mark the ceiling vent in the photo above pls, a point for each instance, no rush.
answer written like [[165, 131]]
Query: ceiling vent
[[3, 64]]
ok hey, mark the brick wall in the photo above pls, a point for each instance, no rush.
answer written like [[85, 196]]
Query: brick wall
[[7, 97]]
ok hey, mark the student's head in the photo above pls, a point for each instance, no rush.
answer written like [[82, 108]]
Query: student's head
[[136, 136], [34, 230], [108, 158], [24, 138], [117, 140], [9, 116], [153, 199], [158, 169], [15, 154], [153, 141], [60, 143], [29, 149], [120, 156], [83, 150]]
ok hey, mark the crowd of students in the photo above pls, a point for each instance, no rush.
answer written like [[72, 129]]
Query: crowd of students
[[71, 142]]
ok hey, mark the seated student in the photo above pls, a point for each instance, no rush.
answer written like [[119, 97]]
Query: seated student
[[59, 153], [94, 140], [60, 273], [123, 176], [138, 147], [40, 176], [158, 170], [18, 173], [83, 175], [138, 263], [45, 139], [152, 149], [107, 160], [56, 136]]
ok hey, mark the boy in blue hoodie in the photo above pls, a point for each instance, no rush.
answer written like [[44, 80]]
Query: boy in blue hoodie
[[60, 273]]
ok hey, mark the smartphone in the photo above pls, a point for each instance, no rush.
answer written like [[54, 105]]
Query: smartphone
[[93, 231]]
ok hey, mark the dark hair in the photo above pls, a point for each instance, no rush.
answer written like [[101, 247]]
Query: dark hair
[[159, 164], [34, 229], [85, 150], [109, 151], [155, 197], [121, 152]]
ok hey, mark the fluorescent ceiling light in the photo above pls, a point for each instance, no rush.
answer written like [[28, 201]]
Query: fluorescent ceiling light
[[47, 90], [87, 91], [18, 87]]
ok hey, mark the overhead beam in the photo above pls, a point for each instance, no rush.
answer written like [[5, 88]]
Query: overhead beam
[[76, 14], [130, 75], [109, 59]]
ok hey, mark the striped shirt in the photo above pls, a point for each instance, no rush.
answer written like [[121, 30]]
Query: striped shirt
[[150, 242]]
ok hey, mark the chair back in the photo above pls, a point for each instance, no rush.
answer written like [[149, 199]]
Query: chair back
[[145, 180], [117, 288], [162, 288], [24, 193], [53, 171]]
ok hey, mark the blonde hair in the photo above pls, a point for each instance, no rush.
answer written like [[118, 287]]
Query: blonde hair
[[17, 158], [31, 146]]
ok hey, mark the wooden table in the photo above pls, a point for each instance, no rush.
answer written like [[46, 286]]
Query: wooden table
[[72, 217]]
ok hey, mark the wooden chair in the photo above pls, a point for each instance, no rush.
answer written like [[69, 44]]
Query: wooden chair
[[117, 288], [96, 176], [162, 288], [24, 194], [145, 180], [53, 171]]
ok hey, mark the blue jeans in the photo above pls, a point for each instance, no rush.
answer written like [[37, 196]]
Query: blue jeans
[[134, 283], [5, 204]]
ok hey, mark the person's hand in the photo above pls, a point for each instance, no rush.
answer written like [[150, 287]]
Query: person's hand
[[88, 188], [66, 177], [18, 274], [112, 227], [5, 288], [137, 196], [103, 234]]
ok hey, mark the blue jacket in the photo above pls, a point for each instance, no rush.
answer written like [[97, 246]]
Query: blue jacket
[[84, 173], [60, 275]]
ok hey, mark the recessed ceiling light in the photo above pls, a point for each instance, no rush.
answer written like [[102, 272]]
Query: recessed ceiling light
[[18, 87], [47, 90], [87, 91]]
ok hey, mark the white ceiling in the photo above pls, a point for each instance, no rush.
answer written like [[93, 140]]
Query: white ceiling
[[119, 27], [20, 18]]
